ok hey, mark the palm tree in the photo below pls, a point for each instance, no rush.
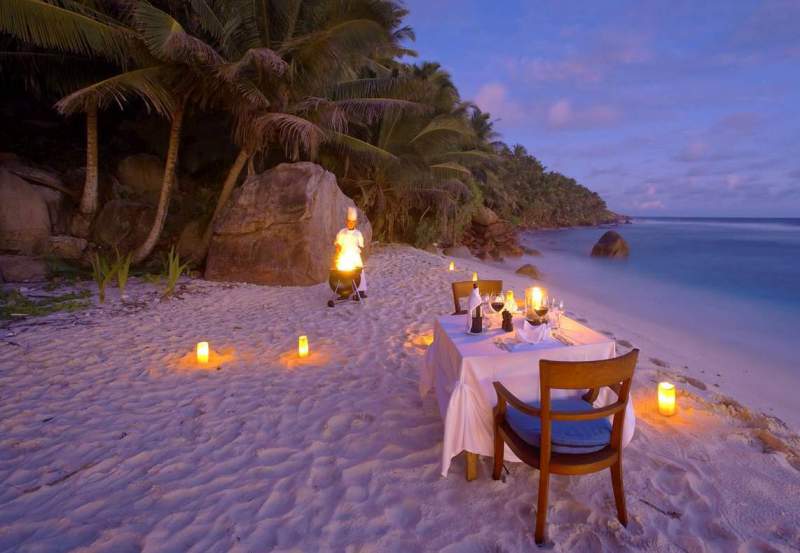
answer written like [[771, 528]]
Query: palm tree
[[81, 30]]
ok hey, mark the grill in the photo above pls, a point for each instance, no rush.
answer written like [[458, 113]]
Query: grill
[[344, 285]]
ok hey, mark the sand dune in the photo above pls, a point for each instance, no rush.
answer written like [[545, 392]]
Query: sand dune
[[113, 439]]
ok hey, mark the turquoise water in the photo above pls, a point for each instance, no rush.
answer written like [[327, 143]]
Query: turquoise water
[[734, 281]]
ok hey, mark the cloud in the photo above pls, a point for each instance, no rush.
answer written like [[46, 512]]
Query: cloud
[[562, 115], [493, 98]]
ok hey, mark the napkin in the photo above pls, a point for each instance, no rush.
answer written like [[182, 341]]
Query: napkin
[[533, 334], [474, 301]]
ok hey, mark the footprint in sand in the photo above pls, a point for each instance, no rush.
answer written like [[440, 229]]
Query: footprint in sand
[[625, 343], [658, 362]]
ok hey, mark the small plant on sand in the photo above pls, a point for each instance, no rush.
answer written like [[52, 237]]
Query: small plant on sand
[[15, 304], [102, 272], [122, 267], [173, 270]]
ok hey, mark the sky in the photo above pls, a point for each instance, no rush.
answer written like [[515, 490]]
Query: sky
[[668, 108]]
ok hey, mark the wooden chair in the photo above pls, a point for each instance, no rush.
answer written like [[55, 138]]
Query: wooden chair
[[463, 288], [567, 436]]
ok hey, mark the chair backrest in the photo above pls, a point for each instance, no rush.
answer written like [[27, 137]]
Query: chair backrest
[[616, 373], [463, 288]]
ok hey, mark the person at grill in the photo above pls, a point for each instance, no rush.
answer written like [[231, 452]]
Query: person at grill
[[349, 243]]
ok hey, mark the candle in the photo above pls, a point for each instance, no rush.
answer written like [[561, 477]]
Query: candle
[[201, 351], [511, 303], [302, 346], [452, 265], [534, 298], [474, 277], [666, 398]]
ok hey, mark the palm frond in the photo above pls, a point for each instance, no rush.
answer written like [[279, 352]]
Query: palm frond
[[353, 145], [450, 168], [295, 134], [445, 124], [53, 27], [262, 60], [167, 40], [146, 84]]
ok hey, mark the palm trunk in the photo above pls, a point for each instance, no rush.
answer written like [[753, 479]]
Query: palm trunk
[[224, 196], [82, 221], [89, 198], [167, 183]]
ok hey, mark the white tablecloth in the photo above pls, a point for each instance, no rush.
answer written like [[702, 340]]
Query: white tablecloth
[[462, 367]]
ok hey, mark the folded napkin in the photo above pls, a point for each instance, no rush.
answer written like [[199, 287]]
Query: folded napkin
[[533, 334], [474, 301]]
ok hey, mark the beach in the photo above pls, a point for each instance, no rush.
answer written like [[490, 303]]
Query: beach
[[112, 438]]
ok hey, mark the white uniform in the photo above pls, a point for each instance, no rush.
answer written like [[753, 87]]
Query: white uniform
[[353, 240]]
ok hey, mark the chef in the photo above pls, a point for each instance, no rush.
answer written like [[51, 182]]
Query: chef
[[349, 243]]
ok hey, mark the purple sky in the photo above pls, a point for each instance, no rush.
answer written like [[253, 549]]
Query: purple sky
[[664, 108]]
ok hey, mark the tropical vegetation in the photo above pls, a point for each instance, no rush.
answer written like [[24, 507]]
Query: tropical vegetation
[[328, 81]]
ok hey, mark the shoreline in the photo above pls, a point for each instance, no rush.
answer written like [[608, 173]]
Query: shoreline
[[698, 364]]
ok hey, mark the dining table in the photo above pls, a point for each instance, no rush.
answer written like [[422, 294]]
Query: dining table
[[461, 367]]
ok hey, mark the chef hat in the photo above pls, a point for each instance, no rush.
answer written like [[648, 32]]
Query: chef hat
[[352, 214]]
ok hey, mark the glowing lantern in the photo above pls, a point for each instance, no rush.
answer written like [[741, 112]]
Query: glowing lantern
[[666, 398], [302, 346], [452, 265], [511, 303], [534, 301], [201, 351], [474, 277]]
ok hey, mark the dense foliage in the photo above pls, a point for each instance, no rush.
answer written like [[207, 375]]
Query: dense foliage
[[319, 80]]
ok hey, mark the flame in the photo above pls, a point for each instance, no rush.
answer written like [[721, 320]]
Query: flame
[[348, 259]]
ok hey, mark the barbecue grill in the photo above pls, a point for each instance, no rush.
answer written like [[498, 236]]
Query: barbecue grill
[[344, 285]]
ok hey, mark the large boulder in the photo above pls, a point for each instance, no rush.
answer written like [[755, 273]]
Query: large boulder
[[22, 268], [141, 174], [123, 224], [279, 227], [611, 244], [484, 216], [458, 251], [24, 217], [529, 270]]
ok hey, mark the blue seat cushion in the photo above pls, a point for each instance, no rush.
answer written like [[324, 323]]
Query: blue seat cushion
[[566, 436]]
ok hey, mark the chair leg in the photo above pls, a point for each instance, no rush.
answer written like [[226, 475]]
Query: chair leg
[[619, 492], [472, 466], [499, 450], [541, 506]]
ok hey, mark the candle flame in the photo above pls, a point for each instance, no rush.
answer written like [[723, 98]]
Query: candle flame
[[452, 265], [474, 277], [302, 346]]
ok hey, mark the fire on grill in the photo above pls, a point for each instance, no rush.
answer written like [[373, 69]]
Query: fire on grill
[[345, 278]]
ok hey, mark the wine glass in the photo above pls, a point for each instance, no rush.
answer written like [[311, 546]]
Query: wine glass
[[498, 303]]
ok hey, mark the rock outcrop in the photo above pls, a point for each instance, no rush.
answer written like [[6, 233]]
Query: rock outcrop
[[611, 244], [22, 268], [279, 227], [123, 224], [489, 236], [24, 216], [66, 247], [141, 174]]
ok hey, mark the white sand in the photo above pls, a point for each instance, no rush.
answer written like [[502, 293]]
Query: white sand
[[112, 439]]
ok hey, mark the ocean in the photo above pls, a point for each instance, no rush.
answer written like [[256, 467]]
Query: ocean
[[733, 282]]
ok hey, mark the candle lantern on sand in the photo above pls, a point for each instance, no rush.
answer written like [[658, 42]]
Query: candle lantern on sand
[[452, 266], [667, 402], [302, 346], [201, 352]]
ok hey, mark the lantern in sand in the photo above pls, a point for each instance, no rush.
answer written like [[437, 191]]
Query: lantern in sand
[[201, 352], [667, 401], [302, 346]]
